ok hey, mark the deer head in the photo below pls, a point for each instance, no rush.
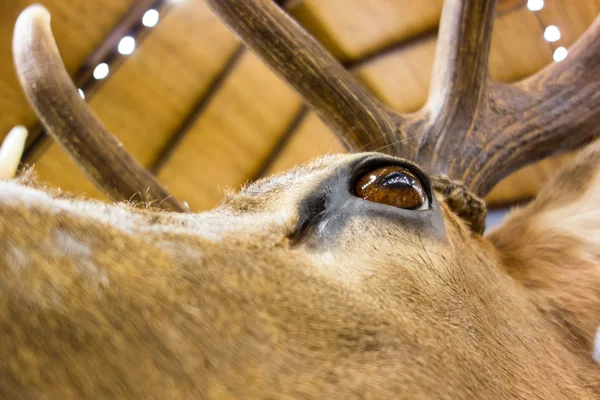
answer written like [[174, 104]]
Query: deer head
[[361, 275]]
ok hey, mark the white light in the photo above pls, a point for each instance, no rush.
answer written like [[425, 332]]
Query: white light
[[552, 34], [81, 93], [126, 45], [101, 71], [150, 18], [535, 5], [560, 54]]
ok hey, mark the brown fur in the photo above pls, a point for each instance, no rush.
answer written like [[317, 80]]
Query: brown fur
[[104, 301]]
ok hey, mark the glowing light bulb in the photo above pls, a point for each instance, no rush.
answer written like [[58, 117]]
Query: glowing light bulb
[[101, 71], [552, 33], [560, 54], [535, 5], [81, 93], [126, 45], [150, 18]]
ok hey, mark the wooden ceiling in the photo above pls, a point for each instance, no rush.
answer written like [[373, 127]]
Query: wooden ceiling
[[203, 113]]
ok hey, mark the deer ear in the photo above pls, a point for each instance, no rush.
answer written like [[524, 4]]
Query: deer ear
[[552, 247]]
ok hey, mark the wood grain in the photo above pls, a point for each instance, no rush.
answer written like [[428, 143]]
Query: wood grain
[[236, 131], [312, 139], [365, 26]]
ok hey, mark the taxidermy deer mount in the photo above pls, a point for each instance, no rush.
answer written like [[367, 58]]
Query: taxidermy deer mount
[[361, 275]]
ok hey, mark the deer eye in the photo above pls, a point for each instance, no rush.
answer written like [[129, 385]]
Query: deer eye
[[394, 186]]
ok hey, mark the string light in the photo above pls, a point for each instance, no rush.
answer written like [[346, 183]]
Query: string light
[[552, 33], [560, 54], [150, 18], [535, 5], [101, 71], [126, 45]]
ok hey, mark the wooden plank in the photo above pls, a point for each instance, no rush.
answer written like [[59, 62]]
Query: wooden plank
[[145, 100], [352, 30], [313, 139], [79, 23], [233, 136], [401, 79], [163, 157], [155, 88], [518, 46], [349, 30]]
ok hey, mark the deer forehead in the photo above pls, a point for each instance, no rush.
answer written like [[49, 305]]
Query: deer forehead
[[271, 217], [291, 186]]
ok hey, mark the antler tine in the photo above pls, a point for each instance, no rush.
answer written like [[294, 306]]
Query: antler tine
[[472, 132], [356, 116], [555, 110], [66, 116], [459, 81]]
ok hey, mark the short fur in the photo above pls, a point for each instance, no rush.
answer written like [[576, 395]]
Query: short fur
[[108, 301]]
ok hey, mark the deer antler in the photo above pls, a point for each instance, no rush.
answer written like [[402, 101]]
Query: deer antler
[[472, 130], [359, 119], [459, 86], [67, 117], [555, 110]]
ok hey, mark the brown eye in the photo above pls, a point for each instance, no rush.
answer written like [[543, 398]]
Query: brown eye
[[394, 186]]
